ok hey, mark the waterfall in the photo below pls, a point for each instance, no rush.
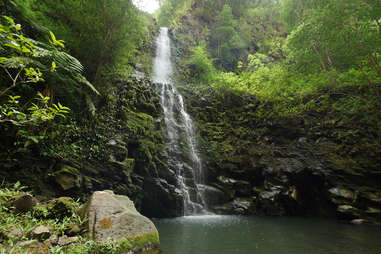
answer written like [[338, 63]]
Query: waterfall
[[181, 147]]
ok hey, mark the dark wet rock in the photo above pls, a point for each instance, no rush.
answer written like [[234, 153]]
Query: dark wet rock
[[342, 196], [310, 164], [121, 148], [373, 211], [24, 203], [68, 177], [348, 212], [213, 196], [162, 199], [228, 190], [374, 198], [271, 203], [239, 206], [359, 221], [234, 187]]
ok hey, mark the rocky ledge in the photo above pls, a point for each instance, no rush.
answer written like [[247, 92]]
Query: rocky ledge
[[320, 162]]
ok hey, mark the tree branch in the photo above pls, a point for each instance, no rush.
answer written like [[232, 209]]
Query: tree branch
[[14, 80]]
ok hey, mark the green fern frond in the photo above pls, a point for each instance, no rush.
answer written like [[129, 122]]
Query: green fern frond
[[17, 61], [83, 80], [66, 61]]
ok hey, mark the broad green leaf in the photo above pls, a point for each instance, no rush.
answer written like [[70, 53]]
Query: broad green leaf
[[34, 139], [53, 68], [15, 46], [52, 36], [10, 20]]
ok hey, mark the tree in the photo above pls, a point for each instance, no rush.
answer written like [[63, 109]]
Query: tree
[[226, 42], [200, 65], [335, 34], [24, 61], [100, 33]]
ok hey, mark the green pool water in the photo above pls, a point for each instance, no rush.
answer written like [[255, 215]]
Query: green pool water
[[265, 235]]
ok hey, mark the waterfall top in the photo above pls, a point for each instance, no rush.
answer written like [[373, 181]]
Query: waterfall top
[[162, 66]]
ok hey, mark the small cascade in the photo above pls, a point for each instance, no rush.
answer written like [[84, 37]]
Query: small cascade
[[181, 141]]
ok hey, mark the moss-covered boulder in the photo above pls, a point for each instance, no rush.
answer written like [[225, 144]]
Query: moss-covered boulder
[[68, 177], [57, 209], [114, 218]]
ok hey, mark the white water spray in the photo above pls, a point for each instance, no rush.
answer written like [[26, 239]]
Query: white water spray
[[181, 141]]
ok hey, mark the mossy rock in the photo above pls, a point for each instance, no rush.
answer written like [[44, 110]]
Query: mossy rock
[[58, 208], [68, 177], [115, 218]]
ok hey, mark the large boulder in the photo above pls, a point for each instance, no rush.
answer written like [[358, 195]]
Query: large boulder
[[114, 218]]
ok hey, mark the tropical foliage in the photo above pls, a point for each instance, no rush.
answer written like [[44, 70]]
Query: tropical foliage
[[286, 50]]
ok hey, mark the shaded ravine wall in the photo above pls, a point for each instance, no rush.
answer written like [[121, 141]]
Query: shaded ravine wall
[[120, 148], [317, 163]]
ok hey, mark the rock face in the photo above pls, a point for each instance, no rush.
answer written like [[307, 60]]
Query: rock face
[[318, 163], [114, 218], [68, 177]]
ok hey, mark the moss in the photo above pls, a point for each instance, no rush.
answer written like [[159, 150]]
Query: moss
[[26, 222], [42, 215], [149, 241], [58, 208], [128, 119], [147, 244], [68, 177]]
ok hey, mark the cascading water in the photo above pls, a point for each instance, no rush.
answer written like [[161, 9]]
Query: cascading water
[[181, 142]]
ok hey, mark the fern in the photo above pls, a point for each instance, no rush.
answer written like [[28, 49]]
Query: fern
[[84, 81], [17, 61], [71, 66]]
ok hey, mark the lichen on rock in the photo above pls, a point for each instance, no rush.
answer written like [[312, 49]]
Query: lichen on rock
[[114, 218]]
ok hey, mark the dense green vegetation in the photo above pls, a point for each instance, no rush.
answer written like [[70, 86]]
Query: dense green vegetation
[[283, 51], [286, 98], [50, 52], [62, 217]]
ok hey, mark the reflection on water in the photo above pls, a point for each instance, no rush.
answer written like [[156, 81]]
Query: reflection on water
[[265, 235]]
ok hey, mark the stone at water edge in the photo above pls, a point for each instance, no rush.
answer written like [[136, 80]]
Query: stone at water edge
[[114, 218], [358, 221]]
